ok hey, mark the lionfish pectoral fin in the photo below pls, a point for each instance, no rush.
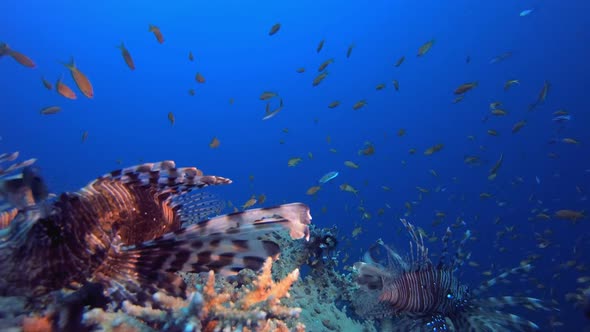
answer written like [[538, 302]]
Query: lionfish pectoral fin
[[197, 206], [224, 244]]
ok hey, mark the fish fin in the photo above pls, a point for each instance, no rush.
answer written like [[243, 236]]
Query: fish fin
[[196, 207], [146, 198], [70, 65], [164, 178], [224, 244]]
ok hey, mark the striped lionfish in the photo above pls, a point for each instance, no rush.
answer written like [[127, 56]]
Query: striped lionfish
[[127, 231], [421, 296]]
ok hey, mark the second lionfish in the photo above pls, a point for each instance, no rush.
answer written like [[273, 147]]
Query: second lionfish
[[128, 230], [413, 294]]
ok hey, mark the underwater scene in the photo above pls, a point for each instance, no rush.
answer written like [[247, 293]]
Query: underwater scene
[[294, 165]]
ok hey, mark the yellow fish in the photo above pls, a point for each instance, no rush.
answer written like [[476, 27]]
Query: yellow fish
[[350, 164], [249, 203], [294, 161], [348, 188]]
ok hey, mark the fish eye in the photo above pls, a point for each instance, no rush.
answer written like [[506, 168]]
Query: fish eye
[[450, 295]]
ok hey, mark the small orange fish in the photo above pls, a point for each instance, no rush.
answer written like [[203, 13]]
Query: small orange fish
[[318, 79], [463, 88], [542, 96], [320, 45], [400, 61], [325, 64], [81, 80], [498, 112], [334, 104], [171, 118], [433, 149], [156, 31], [65, 90], [190, 56], [518, 126], [569, 215], [84, 136], [50, 110], [126, 56], [369, 150], [425, 48], [300, 70], [313, 190], [349, 51], [396, 85], [200, 78], [274, 29], [17, 56], [46, 83], [266, 95], [214, 143], [359, 104]]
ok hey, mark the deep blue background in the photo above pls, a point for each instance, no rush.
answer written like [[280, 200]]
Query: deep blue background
[[127, 119]]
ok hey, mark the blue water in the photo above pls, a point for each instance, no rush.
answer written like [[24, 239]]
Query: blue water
[[127, 118]]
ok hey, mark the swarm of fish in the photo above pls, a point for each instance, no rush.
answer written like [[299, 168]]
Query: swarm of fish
[[128, 230], [422, 296]]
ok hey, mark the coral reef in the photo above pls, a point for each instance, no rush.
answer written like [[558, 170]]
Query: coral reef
[[214, 305]]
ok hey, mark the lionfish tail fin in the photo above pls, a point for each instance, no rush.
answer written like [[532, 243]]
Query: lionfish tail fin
[[224, 244]]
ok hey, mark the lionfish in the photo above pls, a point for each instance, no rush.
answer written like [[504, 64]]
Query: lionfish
[[421, 296], [128, 231]]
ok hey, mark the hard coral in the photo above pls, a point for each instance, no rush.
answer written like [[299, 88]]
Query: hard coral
[[255, 307]]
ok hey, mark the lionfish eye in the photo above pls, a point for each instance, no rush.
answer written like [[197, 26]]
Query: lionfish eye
[[450, 295]]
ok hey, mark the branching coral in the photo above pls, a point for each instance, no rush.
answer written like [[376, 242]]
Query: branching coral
[[217, 307]]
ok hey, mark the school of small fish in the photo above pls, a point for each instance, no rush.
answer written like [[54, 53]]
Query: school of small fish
[[501, 119]]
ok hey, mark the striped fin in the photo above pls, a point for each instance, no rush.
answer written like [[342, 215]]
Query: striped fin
[[419, 258], [224, 244], [143, 202], [4, 157], [162, 176]]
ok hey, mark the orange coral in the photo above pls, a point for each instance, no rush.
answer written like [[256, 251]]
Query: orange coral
[[266, 288]]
